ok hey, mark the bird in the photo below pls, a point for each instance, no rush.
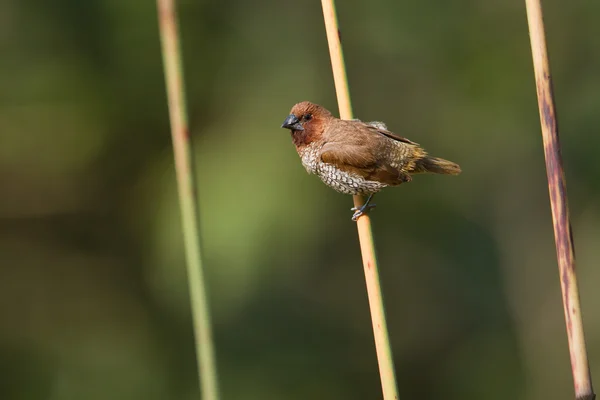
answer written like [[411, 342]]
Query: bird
[[356, 157]]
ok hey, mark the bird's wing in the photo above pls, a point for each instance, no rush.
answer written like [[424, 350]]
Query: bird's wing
[[361, 154], [378, 129]]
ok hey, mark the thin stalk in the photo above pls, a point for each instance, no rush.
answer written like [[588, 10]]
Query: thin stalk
[[558, 200], [365, 235], [169, 35]]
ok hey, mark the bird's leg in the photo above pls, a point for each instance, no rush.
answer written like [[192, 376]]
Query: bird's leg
[[358, 211]]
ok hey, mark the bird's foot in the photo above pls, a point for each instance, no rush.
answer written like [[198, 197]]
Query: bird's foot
[[359, 211]]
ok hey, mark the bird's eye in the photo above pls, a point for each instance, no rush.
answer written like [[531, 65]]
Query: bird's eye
[[307, 117]]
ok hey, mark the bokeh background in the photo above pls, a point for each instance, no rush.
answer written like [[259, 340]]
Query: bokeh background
[[93, 291]]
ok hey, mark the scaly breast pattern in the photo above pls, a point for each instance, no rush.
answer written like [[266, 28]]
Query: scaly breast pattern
[[341, 181]]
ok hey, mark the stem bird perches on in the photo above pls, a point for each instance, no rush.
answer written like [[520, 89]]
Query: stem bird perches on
[[558, 201], [169, 34], [367, 247]]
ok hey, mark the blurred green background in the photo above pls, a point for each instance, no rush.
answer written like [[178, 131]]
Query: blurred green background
[[93, 292]]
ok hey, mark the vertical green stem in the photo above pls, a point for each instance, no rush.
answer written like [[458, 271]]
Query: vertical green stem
[[365, 235], [169, 34], [557, 188]]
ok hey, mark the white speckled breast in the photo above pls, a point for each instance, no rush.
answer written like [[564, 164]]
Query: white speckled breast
[[341, 181]]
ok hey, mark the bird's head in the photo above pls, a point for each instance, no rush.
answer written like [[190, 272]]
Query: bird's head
[[306, 122]]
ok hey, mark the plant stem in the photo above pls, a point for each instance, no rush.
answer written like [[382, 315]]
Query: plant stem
[[169, 34], [365, 235], [558, 201]]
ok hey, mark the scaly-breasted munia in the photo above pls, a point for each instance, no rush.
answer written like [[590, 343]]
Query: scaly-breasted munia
[[355, 157]]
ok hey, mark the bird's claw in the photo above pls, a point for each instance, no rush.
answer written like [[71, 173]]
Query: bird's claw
[[359, 211]]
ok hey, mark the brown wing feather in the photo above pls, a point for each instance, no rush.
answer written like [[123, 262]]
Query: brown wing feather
[[396, 137], [354, 159], [358, 147]]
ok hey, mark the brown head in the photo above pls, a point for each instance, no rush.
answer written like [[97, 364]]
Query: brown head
[[306, 122]]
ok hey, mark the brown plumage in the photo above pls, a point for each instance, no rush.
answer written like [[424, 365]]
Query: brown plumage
[[356, 157]]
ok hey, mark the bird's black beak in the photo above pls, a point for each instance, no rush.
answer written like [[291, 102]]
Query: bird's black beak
[[292, 122]]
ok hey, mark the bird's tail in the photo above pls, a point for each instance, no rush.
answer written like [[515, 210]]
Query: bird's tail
[[436, 165]]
